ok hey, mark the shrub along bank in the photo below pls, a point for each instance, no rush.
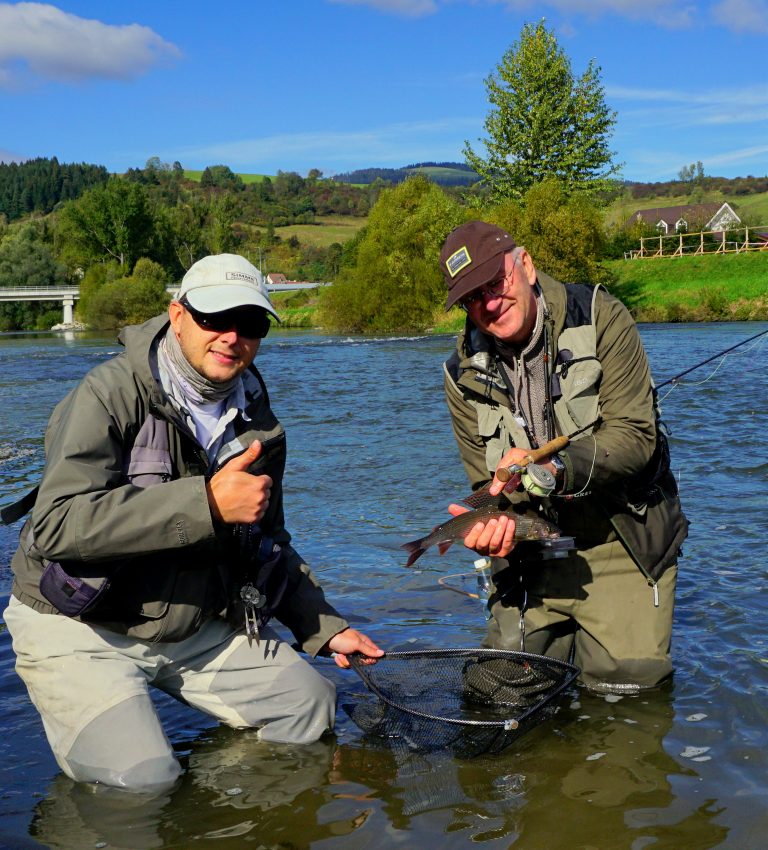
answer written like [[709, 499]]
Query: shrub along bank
[[715, 288]]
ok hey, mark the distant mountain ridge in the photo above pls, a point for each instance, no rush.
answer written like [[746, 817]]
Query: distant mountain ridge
[[442, 173]]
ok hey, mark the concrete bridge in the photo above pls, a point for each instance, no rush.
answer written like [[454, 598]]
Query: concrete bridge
[[67, 295]]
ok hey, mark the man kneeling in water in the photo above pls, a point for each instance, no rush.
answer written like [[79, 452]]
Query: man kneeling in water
[[156, 552]]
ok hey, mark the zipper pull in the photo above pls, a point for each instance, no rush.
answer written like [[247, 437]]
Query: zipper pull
[[655, 587]]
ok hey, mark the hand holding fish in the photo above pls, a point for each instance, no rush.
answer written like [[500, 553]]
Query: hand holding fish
[[487, 530], [494, 538]]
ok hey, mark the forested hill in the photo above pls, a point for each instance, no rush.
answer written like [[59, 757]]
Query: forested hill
[[37, 185], [442, 173]]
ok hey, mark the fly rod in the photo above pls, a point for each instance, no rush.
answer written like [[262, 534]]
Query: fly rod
[[676, 378], [553, 446]]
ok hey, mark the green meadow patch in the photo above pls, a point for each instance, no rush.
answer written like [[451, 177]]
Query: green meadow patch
[[296, 308], [246, 178], [709, 288], [325, 231]]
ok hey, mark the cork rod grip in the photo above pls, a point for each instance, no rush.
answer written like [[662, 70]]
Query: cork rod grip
[[550, 448]]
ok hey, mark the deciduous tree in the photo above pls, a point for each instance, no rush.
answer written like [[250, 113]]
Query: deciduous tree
[[109, 222], [395, 282], [110, 301], [563, 233], [543, 121], [25, 260]]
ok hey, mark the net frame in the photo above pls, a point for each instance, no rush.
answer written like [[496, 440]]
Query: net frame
[[427, 731]]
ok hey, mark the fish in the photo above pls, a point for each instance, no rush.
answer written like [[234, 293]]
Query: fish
[[527, 527]]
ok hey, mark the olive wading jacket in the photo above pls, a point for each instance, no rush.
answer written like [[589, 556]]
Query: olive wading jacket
[[617, 482], [123, 505]]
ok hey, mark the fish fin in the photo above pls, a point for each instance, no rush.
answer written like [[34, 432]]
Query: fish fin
[[442, 548], [480, 497], [480, 500], [415, 550]]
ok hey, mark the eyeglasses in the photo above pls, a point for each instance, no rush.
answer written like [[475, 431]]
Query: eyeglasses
[[250, 322], [492, 290]]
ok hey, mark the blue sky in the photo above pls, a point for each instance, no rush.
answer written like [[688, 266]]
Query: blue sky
[[344, 84]]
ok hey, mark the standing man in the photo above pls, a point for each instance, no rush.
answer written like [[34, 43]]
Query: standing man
[[156, 552], [540, 359]]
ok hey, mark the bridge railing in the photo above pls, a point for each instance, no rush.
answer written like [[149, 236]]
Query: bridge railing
[[55, 291]]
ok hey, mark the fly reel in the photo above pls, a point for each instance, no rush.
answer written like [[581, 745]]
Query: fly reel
[[537, 480]]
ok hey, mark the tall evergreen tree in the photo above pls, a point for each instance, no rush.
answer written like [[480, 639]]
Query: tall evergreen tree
[[544, 123], [39, 184]]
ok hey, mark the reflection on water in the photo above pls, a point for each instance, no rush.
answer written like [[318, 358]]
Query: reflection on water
[[372, 463], [597, 762]]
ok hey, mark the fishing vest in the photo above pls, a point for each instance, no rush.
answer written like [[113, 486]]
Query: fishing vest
[[573, 383], [645, 514], [153, 454]]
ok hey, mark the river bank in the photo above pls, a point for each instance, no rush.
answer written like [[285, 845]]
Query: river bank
[[714, 288]]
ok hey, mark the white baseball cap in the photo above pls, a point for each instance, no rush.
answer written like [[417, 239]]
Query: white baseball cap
[[222, 282]]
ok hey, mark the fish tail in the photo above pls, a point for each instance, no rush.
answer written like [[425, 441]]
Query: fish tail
[[415, 549]]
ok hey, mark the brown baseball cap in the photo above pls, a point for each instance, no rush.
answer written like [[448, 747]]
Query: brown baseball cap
[[473, 255]]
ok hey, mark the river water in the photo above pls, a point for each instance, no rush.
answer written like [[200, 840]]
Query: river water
[[372, 463]]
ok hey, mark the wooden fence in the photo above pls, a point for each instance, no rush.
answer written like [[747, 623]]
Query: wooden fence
[[705, 242]]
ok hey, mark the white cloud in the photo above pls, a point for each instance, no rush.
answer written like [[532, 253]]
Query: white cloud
[[409, 8], [664, 163], [677, 108], [756, 153], [40, 39], [749, 16]]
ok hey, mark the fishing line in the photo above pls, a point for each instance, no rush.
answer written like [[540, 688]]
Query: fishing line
[[675, 378], [675, 381], [675, 384], [443, 582]]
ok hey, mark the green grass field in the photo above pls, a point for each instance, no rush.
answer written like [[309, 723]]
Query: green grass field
[[716, 286], [246, 178], [325, 231]]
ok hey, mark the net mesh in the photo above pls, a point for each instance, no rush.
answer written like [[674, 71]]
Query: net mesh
[[467, 701]]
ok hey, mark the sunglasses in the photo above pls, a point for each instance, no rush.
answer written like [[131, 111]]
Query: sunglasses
[[252, 323]]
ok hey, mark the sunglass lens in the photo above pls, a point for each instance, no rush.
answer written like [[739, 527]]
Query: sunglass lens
[[253, 324]]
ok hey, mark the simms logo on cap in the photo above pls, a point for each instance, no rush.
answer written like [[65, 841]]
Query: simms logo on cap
[[240, 276], [457, 261]]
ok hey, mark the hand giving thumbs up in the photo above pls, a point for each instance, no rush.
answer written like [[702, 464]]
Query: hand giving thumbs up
[[234, 495]]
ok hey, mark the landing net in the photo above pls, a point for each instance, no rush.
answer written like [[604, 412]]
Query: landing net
[[467, 701]]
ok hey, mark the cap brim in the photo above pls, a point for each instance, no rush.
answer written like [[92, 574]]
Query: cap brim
[[216, 299], [477, 277]]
